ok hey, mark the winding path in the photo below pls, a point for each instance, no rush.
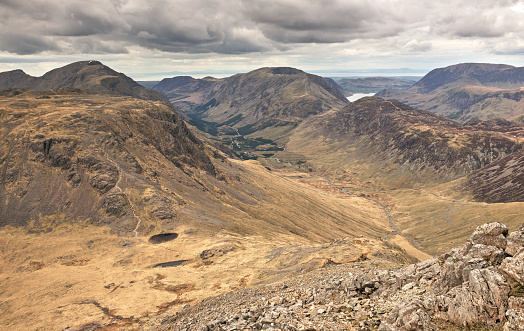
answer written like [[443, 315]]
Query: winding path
[[117, 186], [386, 211]]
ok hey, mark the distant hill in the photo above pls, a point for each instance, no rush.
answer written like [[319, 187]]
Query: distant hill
[[373, 84], [148, 83], [267, 97], [401, 144], [86, 75], [467, 91]]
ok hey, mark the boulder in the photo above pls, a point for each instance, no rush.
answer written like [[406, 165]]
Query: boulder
[[515, 241], [490, 234]]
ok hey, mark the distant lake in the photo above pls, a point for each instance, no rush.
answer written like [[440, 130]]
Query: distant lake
[[357, 96]]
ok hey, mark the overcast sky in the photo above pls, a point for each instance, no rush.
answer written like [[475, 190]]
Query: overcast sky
[[152, 39]]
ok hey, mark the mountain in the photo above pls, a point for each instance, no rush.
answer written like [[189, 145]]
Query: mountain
[[86, 75], [467, 91], [65, 153], [404, 144], [373, 84], [263, 98], [477, 74], [99, 194]]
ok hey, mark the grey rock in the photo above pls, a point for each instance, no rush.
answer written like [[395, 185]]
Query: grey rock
[[491, 234], [514, 267], [515, 242]]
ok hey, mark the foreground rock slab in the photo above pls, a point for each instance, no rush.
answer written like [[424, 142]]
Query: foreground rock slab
[[478, 285]]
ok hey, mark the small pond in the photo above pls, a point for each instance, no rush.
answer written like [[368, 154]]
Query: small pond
[[169, 264], [162, 238]]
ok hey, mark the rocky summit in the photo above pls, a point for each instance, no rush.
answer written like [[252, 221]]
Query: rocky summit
[[479, 286]]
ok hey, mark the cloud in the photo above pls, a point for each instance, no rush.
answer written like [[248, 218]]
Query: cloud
[[24, 44], [329, 21], [297, 28], [192, 26], [477, 19], [415, 46]]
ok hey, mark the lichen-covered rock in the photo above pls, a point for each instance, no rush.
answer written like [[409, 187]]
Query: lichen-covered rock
[[515, 241], [410, 316], [491, 234], [483, 298], [515, 314], [470, 284], [514, 267]]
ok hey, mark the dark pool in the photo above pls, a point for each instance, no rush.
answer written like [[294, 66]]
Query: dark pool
[[169, 264], [162, 238]]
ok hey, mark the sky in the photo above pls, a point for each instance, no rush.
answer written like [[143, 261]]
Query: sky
[[154, 39]]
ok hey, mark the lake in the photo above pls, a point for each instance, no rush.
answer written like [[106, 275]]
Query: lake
[[357, 96]]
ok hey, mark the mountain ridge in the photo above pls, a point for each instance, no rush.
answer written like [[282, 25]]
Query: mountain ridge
[[467, 91], [283, 95], [87, 75]]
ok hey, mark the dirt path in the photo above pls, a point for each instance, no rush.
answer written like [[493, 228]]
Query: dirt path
[[117, 187], [409, 245]]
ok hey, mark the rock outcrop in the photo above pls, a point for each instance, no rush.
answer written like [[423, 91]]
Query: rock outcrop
[[479, 284]]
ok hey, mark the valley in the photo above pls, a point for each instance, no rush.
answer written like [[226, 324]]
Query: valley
[[119, 210]]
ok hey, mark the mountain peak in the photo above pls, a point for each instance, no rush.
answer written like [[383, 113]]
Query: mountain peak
[[480, 74], [286, 71], [86, 75]]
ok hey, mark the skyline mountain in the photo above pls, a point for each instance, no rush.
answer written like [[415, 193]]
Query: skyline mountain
[[85, 75], [261, 99], [467, 91]]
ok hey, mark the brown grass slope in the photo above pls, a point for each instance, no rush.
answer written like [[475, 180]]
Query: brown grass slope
[[85, 75], [501, 181]]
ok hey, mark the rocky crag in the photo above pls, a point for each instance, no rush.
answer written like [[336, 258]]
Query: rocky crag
[[479, 285], [65, 154]]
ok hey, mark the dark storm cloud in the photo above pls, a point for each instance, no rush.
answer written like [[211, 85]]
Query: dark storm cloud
[[238, 26], [226, 26], [330, 21], [24, 44]]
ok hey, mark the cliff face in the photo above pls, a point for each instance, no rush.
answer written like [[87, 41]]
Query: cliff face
[[66, 154], [85, 75]]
